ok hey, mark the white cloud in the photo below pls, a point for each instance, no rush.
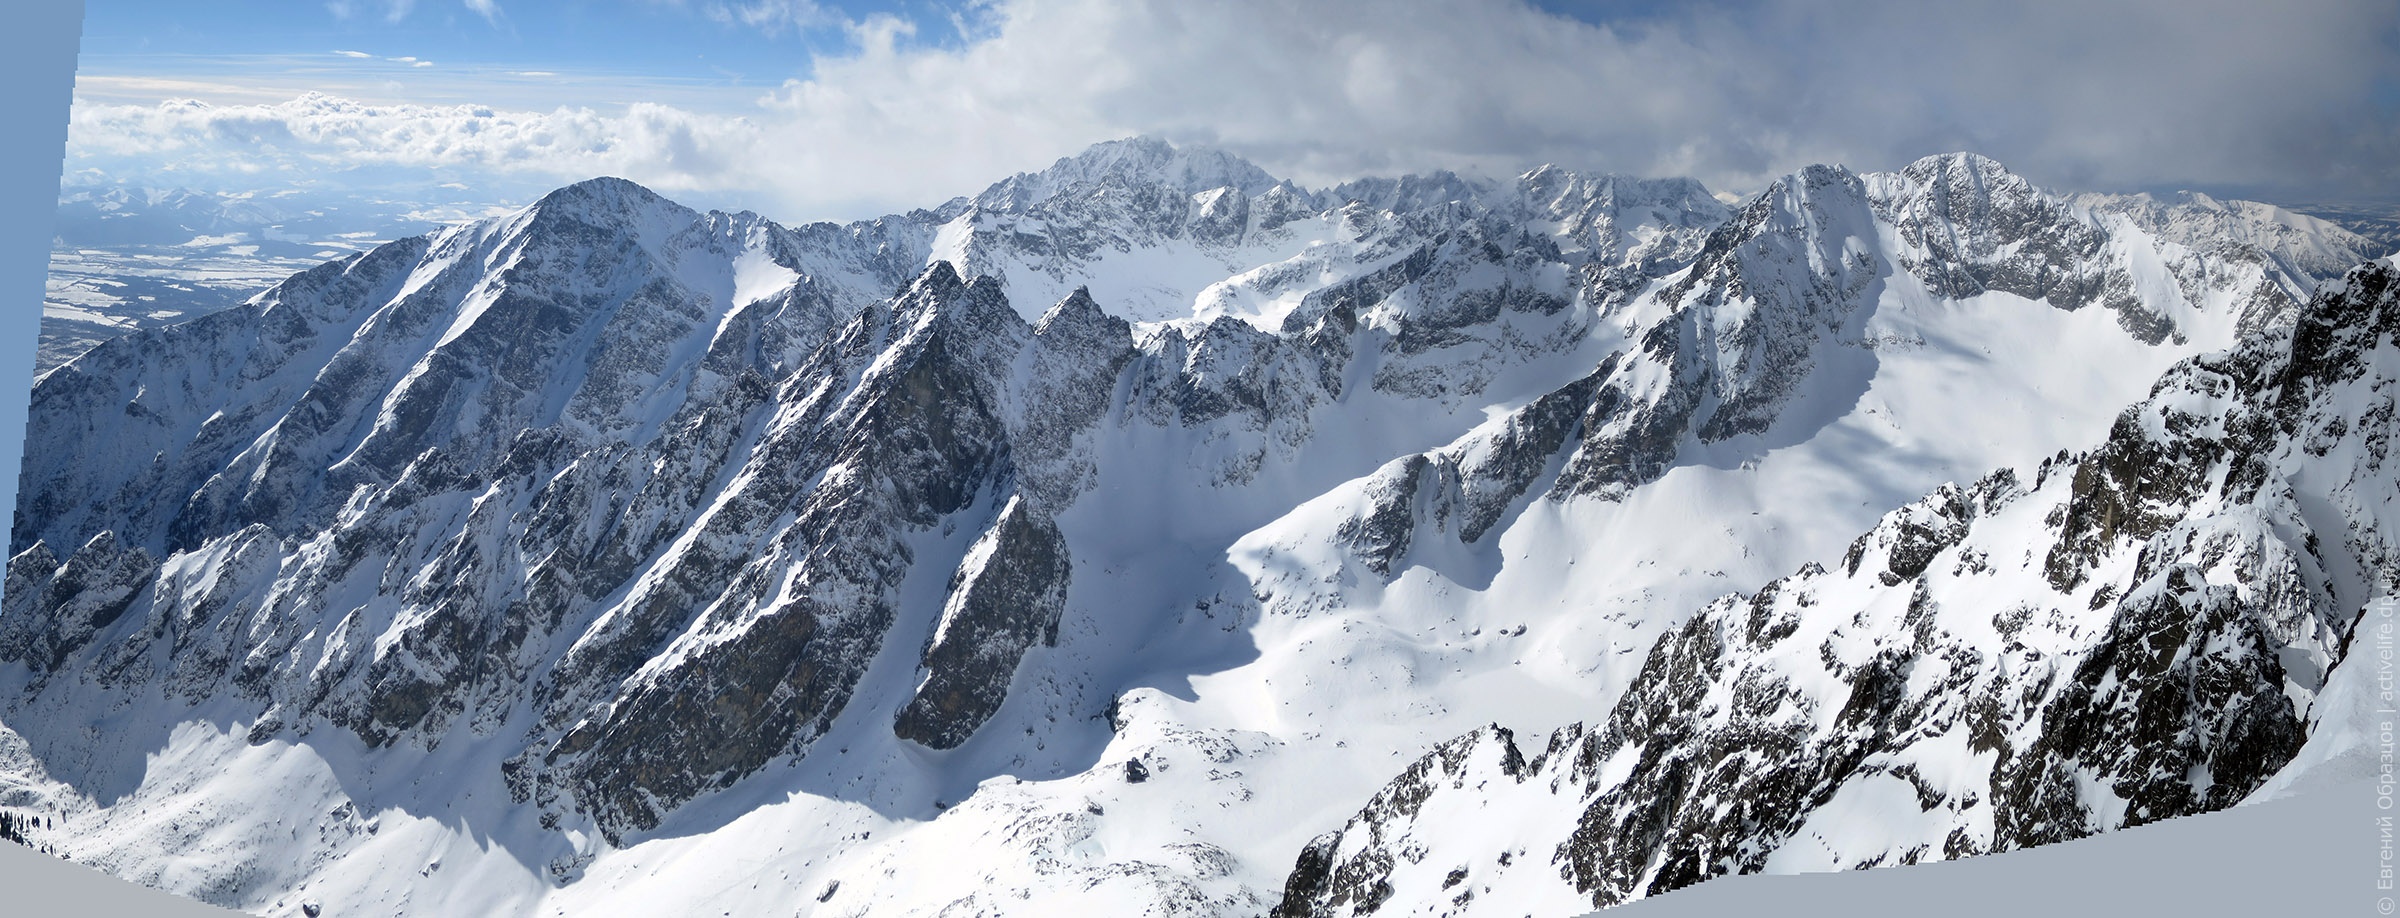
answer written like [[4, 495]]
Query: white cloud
[[397, 10], [393, 10], [2081, 96], [771, 16], [360, 55], [673, 149]]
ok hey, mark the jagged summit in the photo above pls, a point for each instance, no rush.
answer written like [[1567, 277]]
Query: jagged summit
[[941, 296], [1133, 160], [2296, 243], [1973, 191], [1194, 169], [609, 199], [940, 278], [1960, 161], [1077, 309], [1412, 192], [1550, 179]]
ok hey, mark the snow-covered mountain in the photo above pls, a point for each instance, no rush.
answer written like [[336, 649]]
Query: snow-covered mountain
[[2137, 632], [1095, 542]]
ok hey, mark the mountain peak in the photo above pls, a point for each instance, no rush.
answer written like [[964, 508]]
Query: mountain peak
[[1191, 168], [1960, 161], [1414, 191], [1137, 160], [603, 188], [1077, 310], [1967, 173], [1806, 184], [942, 295], [1550, 180], [938, 278], [609, 200]]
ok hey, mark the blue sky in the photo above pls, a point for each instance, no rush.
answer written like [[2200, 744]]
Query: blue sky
[[725, 44], [696, 52], [805, 110], [704, 54]]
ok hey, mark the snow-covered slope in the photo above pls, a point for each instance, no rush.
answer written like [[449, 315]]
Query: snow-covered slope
[[2127, 634], [2280, 858], [1088, 544]]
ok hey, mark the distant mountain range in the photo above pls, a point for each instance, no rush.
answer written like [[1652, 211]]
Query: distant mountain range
[[128, 257]]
